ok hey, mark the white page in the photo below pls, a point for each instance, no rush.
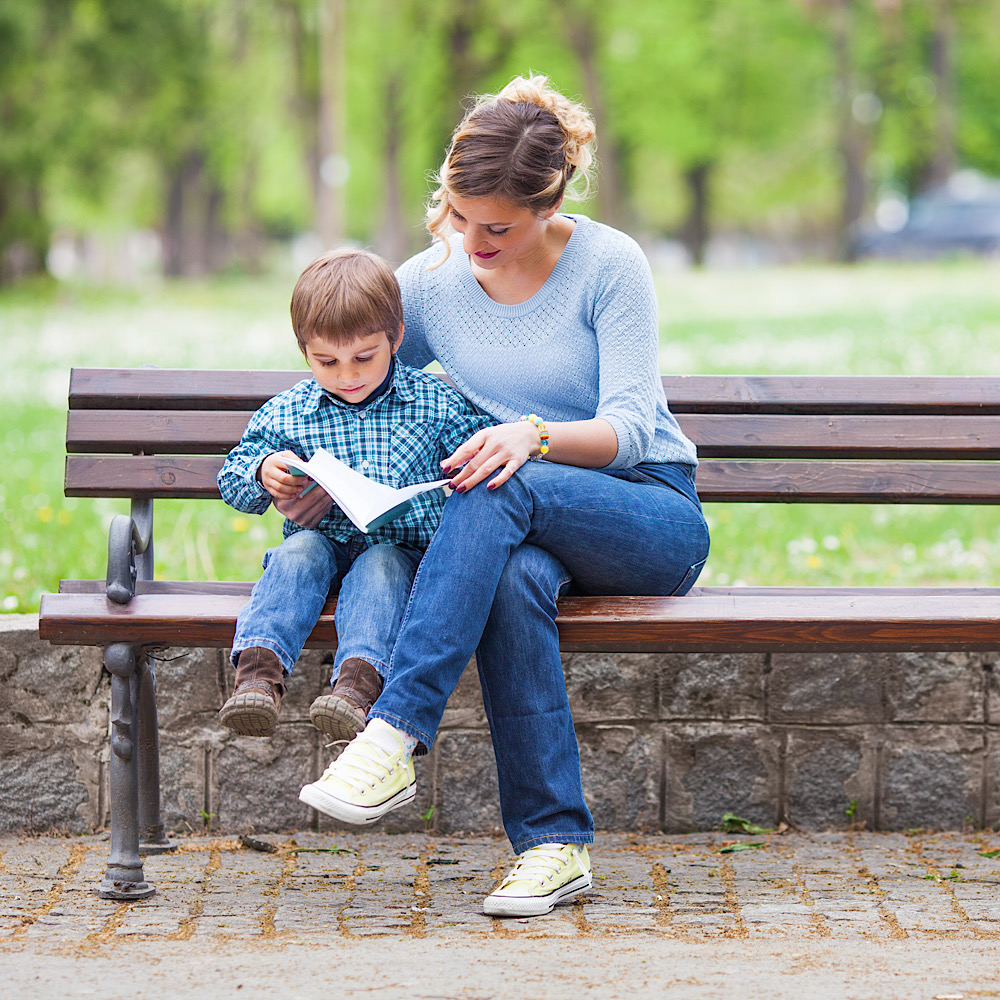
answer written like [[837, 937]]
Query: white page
[[362, 499]]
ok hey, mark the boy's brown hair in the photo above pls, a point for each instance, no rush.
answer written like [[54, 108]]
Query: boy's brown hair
[[344, 295]]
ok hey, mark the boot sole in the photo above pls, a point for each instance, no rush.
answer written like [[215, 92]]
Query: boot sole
[[250, 714], [337, 718], [535, 906], [347, 812]]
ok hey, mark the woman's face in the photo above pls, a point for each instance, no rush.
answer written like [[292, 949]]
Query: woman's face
[[496, 232]]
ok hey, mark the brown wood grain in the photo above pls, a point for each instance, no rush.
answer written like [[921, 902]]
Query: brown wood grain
[[155, 432], [811, 481], [772, 435], [166, 388], [707, 622], [207, 432]]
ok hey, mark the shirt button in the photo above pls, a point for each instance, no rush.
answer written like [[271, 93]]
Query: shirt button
[[364, 464], [361, 415]]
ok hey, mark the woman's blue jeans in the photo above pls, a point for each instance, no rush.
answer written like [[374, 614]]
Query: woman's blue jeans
[[490, 579], [372, 585]]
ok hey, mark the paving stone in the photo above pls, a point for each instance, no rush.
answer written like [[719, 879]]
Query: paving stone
[[850, 885]]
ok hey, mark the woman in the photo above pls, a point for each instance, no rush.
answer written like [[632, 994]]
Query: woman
[[548, 322]]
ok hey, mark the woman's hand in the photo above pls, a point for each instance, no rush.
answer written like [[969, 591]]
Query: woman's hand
[[505, 447], [307, 510], [277, 480]]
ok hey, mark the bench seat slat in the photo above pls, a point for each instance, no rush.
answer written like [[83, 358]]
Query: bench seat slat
[[718, 480], [199, 432], [243, 587], [708, 621], [184, 389]]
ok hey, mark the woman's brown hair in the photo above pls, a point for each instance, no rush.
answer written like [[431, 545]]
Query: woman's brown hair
[[523, 146]]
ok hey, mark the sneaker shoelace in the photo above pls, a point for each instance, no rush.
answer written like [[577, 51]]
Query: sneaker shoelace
[[361, 764], [539, 864]]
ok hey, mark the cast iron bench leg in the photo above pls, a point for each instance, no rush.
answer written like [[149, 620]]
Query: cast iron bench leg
[[152, 839], [124, 878]]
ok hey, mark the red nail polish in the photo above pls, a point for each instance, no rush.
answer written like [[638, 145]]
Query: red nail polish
[[491, 486], [445, 468], [461, 489]]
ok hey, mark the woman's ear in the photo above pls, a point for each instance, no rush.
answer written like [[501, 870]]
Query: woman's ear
[[549, 212]]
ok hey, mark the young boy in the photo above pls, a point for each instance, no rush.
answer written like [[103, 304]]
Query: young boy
[[391, 422]]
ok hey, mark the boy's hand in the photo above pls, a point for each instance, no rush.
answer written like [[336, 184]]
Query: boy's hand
[[306, 511], [505, 447], [277, 480]]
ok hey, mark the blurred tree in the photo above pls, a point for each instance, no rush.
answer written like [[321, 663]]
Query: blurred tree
[[30, 127], [700, 79]]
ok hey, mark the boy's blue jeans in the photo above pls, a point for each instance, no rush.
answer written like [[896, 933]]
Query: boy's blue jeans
[[372, 585], [490, 579]]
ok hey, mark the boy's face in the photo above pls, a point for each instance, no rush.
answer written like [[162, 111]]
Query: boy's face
[[351, 371]]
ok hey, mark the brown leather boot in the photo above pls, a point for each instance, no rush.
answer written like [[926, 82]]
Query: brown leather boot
[[343, 714], [260, 683]]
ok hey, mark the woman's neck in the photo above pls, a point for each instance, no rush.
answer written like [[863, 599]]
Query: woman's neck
[[519, 280]]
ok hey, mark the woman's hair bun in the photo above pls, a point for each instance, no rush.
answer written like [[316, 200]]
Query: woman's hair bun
[[573, 117], [525, 146]]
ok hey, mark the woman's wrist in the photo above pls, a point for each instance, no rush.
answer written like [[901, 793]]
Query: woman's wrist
[[538, 436]]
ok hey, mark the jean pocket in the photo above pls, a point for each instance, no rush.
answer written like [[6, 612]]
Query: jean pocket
[[689, 579]]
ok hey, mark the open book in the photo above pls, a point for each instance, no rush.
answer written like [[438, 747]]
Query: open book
[[368, 504]]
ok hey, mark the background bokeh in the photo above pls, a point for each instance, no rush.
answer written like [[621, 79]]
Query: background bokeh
[[166, 167]]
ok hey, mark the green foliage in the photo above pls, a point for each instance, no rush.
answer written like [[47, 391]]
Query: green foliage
[[200, 117], [872, 320], [731, 823]]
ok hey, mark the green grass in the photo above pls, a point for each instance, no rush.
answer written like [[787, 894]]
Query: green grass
[[872, 320]]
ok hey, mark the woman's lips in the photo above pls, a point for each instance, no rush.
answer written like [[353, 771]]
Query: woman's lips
[[486, 256]]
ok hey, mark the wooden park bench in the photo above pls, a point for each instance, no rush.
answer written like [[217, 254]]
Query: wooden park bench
[[147, 433]]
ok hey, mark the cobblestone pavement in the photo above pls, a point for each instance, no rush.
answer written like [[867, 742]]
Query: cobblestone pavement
[[919, 904]]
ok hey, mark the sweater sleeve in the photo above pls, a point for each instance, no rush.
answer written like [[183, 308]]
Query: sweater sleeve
[[627, 330], [238, 476], [414, 350]]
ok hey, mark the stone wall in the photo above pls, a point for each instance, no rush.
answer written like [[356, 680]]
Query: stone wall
[[667, 742]]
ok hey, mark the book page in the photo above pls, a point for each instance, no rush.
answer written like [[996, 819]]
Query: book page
[[363, 500]]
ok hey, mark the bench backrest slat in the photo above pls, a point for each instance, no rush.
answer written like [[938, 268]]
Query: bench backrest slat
[[163, 433], [718, 480], [204, 432], [181, 389]]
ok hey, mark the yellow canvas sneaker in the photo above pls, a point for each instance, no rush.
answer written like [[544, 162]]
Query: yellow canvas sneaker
[[364, 783], [543, 876]]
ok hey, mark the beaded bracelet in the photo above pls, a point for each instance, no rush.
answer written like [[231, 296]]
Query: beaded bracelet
[[534, 418]]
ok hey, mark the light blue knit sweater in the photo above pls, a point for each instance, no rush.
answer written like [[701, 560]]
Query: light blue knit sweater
[[585, 345]]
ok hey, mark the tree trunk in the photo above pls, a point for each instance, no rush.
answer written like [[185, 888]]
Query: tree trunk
[[332, 161], [851, 136], [945, 158], [694, 232], [193, 237], [610, 196], [391, 241]]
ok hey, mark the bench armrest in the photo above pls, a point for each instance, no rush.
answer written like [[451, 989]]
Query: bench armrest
[[130, 551]]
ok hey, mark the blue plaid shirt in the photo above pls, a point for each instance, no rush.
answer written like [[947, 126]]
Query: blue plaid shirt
[[398, 439]]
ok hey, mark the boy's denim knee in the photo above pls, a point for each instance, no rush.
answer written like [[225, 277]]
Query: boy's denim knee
[[307, 547]]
